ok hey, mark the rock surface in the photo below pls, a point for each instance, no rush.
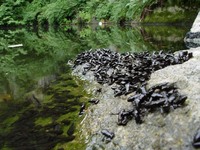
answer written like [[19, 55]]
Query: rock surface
[[196, 24], [192, 38], [169, 131]]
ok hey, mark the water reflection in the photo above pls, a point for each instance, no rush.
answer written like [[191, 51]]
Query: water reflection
[[138, 38], [44, 50], [28, 98], [169, 37], [41, 55]]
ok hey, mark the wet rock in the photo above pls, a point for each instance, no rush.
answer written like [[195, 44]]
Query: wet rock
[[186, 77], [192, 38], [192, 35], [196, 139], [128, 77]]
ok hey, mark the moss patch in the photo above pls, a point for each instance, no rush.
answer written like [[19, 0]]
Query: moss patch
[[6, 125], [43, 121]]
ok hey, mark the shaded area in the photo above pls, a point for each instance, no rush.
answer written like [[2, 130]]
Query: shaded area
[[53, 124]]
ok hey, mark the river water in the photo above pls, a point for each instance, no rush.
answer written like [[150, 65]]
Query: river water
[[39, 99]]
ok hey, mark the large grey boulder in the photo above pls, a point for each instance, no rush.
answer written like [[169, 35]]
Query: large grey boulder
[[159, 131], [192, 38]]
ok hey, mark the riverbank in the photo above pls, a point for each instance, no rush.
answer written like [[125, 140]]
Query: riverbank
[[159, 131]]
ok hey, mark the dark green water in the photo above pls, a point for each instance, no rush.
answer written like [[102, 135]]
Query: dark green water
[[39, 99]]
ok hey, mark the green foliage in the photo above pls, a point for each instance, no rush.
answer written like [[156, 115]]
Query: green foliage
[[135, 8], [32, 11], [54, 12], [42, 53], [103, 11], [119, 10], [57, 11], [51, 12], [10, 12], [84, 17]]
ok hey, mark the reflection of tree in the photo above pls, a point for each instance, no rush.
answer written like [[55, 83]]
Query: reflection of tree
[[123, 39], [165, 37], [40, 56]]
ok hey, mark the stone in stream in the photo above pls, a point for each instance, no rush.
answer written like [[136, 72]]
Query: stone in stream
[[192, 38], [127, 74]]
